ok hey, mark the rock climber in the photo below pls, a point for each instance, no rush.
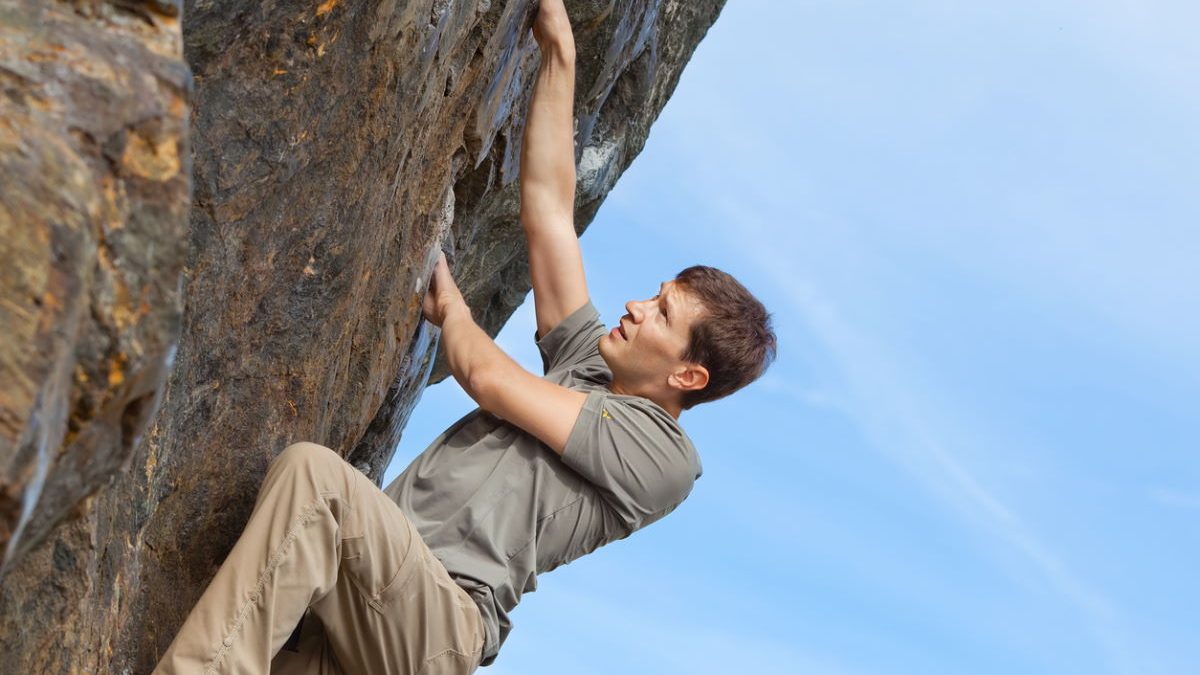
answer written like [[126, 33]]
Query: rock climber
[[420, 578]]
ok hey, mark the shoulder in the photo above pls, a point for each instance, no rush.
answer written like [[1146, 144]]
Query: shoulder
[[663, 428], [649, 415], [645, 438], [634, 453], [573, 341]]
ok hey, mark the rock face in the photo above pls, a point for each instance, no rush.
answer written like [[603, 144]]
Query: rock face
[[94, 197], [336, 147]]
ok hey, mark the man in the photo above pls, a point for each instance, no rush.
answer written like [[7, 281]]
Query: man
[[419, 580]]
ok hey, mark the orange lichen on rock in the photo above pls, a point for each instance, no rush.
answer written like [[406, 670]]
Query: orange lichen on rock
[[116, 370], [51, 302], [114, 202], [154, 159], [326, 7]]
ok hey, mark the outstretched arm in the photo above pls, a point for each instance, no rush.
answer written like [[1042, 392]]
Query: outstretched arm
[[548, 174]]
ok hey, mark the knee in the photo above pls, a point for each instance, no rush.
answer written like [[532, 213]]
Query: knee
[[306, 454]]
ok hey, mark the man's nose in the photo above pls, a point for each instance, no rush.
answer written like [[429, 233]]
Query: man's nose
[[635, 310]]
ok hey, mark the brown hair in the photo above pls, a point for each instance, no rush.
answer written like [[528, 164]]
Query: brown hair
[[733, 339]]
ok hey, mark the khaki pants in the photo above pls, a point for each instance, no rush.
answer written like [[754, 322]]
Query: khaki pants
[[324, 539]]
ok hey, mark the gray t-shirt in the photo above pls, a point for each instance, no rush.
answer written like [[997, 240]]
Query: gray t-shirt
[[498, 507]]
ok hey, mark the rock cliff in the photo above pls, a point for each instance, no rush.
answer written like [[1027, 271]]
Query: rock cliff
[[94, 199], [334, 147]]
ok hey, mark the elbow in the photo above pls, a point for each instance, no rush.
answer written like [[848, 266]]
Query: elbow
[[480, 385], [559, 51], [547, 225]]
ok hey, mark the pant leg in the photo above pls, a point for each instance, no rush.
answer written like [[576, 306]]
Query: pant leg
[[286, 557], [322, 534], [395, 609]]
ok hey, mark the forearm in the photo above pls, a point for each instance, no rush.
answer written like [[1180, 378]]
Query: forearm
[[473, 357], [548, 148]]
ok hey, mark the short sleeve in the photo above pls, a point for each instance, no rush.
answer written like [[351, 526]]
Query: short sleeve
[[634, 453], [574, 341]]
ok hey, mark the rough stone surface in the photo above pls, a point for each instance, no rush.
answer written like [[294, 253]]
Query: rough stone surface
[[337, 146], [94, 197]]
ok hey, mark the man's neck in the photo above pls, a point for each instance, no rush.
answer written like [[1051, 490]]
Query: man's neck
[[673, 408]]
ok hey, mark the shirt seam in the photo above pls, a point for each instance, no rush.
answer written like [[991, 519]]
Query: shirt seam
[[582, 423], [539, 521], [568, 332]]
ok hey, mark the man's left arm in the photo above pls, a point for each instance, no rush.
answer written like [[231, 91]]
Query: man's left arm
[[492, 378]]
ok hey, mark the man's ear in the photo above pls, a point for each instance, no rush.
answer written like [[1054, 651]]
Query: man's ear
[[689, 377]]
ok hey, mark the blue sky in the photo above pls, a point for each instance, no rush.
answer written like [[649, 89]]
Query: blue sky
[[978, 228]]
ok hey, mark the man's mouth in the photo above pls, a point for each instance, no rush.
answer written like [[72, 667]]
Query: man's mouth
[[621, 330]]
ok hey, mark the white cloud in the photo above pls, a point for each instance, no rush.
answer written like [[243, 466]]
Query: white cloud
[[894, 407], [674, 645], [809, 396]]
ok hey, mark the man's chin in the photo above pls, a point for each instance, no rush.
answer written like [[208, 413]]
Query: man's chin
[[604, 352]]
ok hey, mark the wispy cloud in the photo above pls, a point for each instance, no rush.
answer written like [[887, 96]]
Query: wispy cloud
[[1176, 498], [1073, 239], [894, 407], [693, 647], [808, 396]]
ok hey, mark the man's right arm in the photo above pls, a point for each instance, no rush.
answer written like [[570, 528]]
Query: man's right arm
[[548, 174]]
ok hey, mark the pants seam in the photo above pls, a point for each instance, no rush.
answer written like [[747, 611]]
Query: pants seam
[[445, 652], [405, 572], [301, 520]]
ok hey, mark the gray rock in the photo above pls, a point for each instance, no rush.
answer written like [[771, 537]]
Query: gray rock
[[337, 146], [94, 196]]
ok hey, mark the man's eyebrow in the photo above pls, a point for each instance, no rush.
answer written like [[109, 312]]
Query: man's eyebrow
[[662, 293]]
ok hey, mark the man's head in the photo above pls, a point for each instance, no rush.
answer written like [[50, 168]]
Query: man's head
[[703, 337]]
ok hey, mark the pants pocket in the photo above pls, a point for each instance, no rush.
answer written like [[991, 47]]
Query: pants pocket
[[379, 547]]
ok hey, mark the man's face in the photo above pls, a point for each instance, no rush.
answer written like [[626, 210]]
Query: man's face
[[647, 346]]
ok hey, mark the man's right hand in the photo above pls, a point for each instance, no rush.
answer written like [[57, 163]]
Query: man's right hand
[[443, 295]]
